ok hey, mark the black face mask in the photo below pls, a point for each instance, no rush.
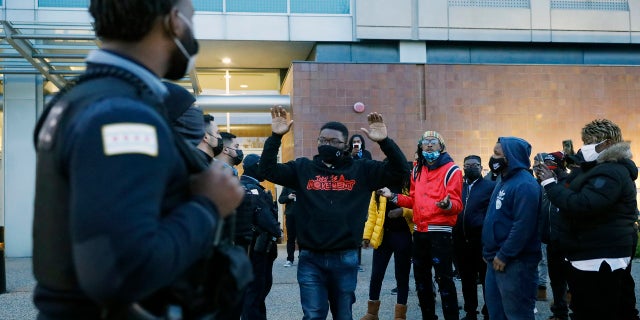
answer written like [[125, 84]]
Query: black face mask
[[238, 158], [218, 149], [472, 174], [497, 166], [183, 57], [329, 154]]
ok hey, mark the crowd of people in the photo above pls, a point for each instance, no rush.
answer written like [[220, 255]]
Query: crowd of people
[[142, 213]]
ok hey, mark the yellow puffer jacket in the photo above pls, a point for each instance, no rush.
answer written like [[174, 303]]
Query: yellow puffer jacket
[[373, 229]]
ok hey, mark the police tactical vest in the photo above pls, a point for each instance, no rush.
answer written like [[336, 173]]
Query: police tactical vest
[[53, 261]]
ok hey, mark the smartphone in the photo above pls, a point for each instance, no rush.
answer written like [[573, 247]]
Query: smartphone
[[567, 147], [540, 161]]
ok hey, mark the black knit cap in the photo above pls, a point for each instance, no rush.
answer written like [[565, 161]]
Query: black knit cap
[[185, 117], [250, 160], [178, 100]]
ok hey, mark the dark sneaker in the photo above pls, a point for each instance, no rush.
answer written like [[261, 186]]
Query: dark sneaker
[[394, 291]]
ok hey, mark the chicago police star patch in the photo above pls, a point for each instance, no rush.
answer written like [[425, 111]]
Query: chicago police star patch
[[129, 138]]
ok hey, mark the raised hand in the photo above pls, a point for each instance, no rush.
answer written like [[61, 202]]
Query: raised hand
[[279, 124], [221, 187], [377, 129]]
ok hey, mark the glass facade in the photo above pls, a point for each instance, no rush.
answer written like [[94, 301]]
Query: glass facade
[[64, 3], [272, 6], [321, 6], [602, 5], [208, 5], [237, 6], [490, 3]]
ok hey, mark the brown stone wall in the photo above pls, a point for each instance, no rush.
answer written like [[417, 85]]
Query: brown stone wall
[[470, 105]]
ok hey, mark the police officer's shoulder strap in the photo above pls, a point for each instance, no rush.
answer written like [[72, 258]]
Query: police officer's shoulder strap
[[98, 83]]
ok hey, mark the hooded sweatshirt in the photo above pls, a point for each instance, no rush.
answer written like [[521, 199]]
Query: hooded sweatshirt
[[510, 228], [332, 202]]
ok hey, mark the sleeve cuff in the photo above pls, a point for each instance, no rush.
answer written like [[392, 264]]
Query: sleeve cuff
[[208, 204], [548, 181]]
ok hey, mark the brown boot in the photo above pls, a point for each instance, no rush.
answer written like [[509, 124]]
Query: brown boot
[[542, 294], [372, 310], [401, 312]]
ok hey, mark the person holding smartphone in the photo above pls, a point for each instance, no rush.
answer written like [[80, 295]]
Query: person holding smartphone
[[357, 148], [598, 206]]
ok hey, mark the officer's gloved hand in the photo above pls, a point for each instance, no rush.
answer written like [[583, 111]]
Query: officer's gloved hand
[[221, 187]]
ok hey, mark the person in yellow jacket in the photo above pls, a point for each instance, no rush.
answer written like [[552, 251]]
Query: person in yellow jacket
[[388, 230]]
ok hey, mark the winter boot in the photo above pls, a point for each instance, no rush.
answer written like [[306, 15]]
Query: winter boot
[[401, 312], [542, 293], [372, 310]]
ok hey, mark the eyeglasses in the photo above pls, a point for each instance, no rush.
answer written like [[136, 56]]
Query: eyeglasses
[[472, 165], [334, 142], [430, 141]]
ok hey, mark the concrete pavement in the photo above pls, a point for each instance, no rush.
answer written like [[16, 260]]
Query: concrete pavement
[[283, 302]]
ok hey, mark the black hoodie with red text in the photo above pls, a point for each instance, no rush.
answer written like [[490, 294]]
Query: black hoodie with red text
[[332, 202]]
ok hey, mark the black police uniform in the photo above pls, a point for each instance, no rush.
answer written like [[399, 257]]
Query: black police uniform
[[257, 222], [113, 218]]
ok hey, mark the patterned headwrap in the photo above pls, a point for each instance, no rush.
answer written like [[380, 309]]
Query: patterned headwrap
[[436, 135]]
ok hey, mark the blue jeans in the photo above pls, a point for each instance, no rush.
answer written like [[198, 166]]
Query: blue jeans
[[543, 269], [512, 294], [327, 279]]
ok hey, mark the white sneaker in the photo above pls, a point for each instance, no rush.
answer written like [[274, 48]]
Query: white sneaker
[[288, 264]]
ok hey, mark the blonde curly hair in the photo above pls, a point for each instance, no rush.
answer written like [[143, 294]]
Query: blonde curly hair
[[599, 130]]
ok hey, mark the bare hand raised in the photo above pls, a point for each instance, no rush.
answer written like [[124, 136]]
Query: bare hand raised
[[377, 129], [279, 124]]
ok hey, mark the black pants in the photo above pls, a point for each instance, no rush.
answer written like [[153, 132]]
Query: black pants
[[471, 267], [597, 294], [434, 250], [397, 244], [291, 236], [558, 268], [254, 307]]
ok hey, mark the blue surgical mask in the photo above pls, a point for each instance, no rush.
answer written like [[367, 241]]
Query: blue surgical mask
[[431, 156]]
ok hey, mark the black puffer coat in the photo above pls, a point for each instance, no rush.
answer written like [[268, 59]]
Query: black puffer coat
[[599, 207]]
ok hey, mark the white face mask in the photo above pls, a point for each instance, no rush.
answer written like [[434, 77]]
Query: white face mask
[[589, 151]]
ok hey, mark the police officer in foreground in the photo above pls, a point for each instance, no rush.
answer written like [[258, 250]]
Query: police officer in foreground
[[257, 230], [117, 214]]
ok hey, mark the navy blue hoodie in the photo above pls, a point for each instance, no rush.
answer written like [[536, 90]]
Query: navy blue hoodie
[[510, 228]]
